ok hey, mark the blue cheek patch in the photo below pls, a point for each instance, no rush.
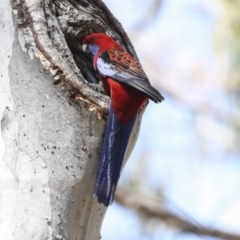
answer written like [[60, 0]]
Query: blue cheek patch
[[93, 48]]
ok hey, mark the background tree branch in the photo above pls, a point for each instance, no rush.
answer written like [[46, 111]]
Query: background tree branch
[[155, 210]]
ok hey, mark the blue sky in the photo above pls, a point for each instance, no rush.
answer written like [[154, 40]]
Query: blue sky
[[185, 153]]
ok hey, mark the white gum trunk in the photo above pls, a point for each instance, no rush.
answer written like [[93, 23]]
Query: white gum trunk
[[49, 145]]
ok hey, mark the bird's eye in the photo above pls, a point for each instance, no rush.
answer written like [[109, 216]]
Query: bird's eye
[[91, 39]]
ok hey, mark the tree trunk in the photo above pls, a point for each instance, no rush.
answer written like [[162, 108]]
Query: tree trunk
[[49, 142]]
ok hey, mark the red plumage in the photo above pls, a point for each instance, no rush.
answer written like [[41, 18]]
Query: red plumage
[[116, 66], [126, 101], [129, 88]]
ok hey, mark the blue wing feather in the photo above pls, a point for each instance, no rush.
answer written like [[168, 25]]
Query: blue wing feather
[[114, 147]]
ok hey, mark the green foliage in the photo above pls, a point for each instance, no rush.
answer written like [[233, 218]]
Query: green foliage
[[229, 27]]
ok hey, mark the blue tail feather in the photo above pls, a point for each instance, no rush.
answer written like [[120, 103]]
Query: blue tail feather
[[114, 147]]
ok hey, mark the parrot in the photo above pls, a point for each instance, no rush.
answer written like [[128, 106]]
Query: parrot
[[129, 89]]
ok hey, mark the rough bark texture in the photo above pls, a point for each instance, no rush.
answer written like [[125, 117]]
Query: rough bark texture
[[50, 143]]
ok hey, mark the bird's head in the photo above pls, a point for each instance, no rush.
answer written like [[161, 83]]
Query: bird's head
[[96, 43]]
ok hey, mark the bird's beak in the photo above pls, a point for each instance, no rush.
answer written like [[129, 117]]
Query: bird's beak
[[84, 47]]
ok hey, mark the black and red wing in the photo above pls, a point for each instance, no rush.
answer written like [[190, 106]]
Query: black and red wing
[[121, 66]]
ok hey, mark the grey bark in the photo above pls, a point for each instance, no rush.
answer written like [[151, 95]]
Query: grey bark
[[50, 138]]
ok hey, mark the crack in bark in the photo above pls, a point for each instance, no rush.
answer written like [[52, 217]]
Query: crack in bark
[[32, 14], [58, 28]]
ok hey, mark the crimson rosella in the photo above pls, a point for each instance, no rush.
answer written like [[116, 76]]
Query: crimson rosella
[[129, 89]]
